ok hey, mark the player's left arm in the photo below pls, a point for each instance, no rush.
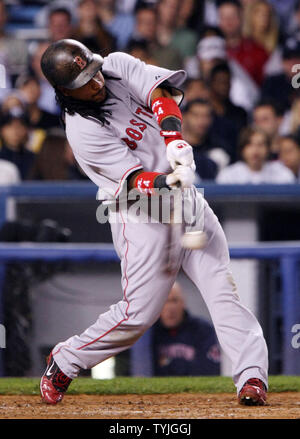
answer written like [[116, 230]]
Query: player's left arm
[[169, 118]]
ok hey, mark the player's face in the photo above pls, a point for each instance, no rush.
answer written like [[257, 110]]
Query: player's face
[[93, 91]]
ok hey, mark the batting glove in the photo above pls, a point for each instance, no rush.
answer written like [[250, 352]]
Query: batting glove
[[179, 152], [183, 177]]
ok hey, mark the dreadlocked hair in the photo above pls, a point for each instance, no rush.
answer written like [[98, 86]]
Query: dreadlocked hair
[[86, 109]]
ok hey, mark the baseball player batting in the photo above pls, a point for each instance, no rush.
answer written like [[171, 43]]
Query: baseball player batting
[[123, 122]]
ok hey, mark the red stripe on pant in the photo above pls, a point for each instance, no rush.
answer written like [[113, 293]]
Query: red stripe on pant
[[125, 290]]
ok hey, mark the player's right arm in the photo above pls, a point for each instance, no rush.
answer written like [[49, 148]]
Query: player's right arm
[[110, 166], [179, 152], [159, 90], [169, 118]]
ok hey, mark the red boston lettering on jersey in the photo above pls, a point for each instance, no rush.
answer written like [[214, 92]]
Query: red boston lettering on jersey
[[144, 111], [130, 143], [142, 126], [136, 133]]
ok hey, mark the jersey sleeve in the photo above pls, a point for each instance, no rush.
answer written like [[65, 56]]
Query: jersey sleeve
[[141, 79], [101, 156]]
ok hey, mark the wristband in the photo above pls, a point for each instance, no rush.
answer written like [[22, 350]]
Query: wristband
[[164, 107], [171, 123], [171, 135], [146, 182], [160, 182]]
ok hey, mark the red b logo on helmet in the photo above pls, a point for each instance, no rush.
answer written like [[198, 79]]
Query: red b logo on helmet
[[80, 62]]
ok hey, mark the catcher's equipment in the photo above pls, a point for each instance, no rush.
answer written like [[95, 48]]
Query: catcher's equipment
[[70, 64]]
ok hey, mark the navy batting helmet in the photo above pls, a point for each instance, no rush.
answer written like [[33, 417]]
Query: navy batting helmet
[[70, 64]]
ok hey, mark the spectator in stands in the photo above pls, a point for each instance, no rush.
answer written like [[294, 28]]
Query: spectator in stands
[[9, 173], [190, 15], [279, 86], [261, 24], [140, 49], [146, 30], [254, 166], [13, 52], [169, 34], [120, 25], [226, 113], [289, 154], [250, 55], [195, 89], [210, 152], [47, 99], [30, 91], [14, 133], [145, 24], [183, 345], [211, 50], [59, 24], [90, 30], [207, 13], [14, 104], [55, 161], [267, 115], [291, 119]]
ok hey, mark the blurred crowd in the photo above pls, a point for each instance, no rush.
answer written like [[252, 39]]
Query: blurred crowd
[[241, 109]]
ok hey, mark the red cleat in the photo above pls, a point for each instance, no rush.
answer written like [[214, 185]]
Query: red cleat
[[253, 392], [54, 383]]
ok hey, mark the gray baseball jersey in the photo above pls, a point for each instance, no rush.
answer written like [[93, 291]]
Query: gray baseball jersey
[[131, 141], [108, 154]]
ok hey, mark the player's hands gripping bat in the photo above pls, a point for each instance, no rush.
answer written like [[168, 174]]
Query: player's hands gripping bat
[[182, 176], [179, 152]]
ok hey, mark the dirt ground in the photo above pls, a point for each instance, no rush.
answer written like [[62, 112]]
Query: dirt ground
[[181, 406]]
